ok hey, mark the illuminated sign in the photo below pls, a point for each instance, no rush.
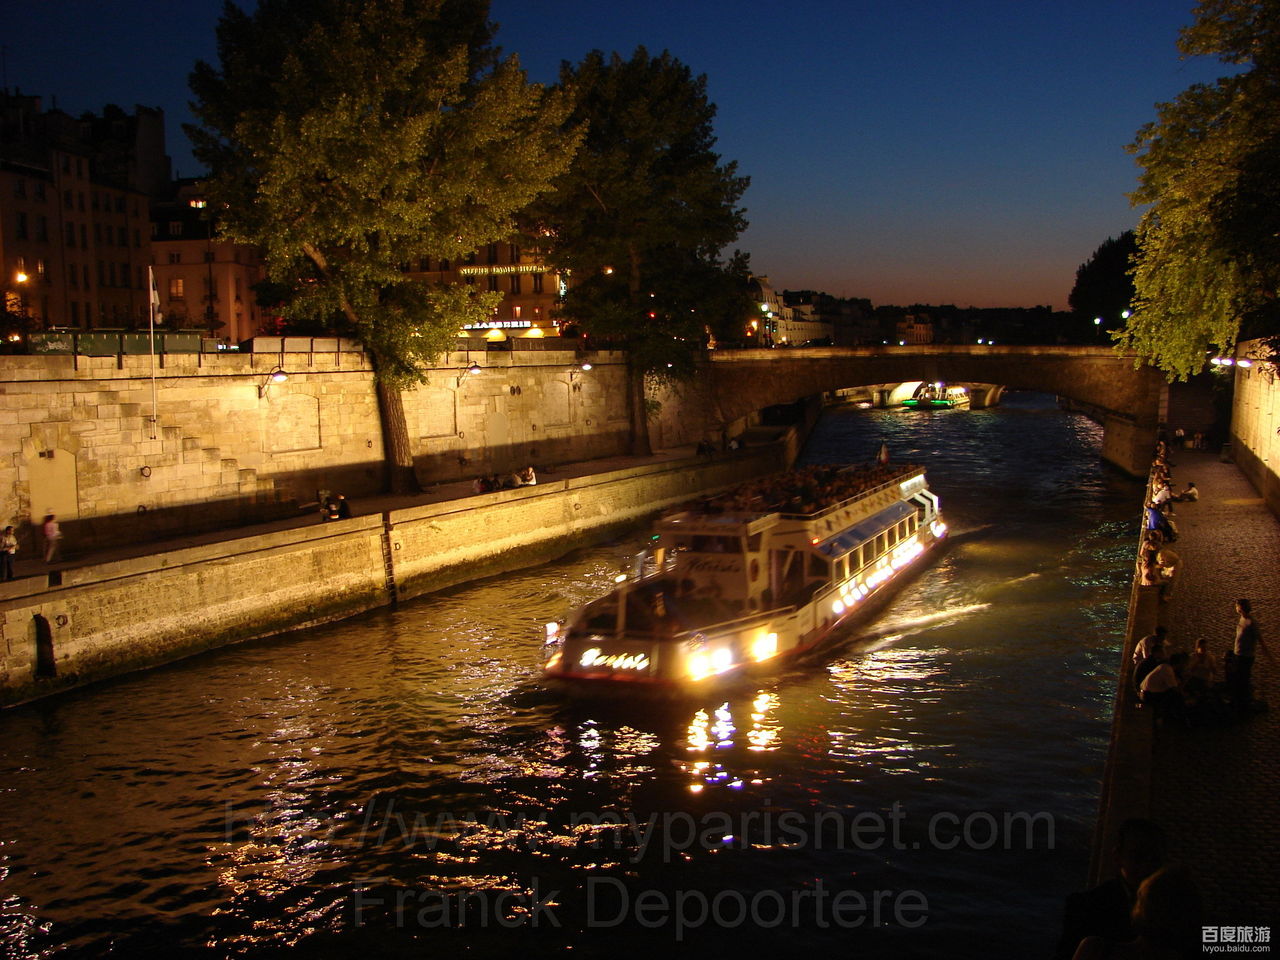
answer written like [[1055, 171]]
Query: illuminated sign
[[595, 657], [496, 270], [496, 324]]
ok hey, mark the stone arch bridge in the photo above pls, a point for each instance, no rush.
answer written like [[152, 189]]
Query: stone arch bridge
[[734, 385]]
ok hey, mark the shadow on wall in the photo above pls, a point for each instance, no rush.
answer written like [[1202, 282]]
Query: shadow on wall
[[469, 463]]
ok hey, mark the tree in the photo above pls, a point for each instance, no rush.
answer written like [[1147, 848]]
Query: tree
[[641, 217], [1208, 264], [1104, 285], [350, 138]]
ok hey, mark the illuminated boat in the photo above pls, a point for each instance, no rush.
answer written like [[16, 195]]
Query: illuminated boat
[[938, 396], [747, 581]]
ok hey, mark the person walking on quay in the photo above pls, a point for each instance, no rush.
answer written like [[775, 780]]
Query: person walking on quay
[[1240, 670], [8, 547], [52, 537]]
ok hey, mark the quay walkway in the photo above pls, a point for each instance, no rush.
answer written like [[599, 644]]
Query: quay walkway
[[28, 565], [1214, 788]]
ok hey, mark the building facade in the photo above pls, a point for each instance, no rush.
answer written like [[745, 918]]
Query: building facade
[[74, 231], [203, 281]]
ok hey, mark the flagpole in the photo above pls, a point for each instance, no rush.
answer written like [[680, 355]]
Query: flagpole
[[153, 296]]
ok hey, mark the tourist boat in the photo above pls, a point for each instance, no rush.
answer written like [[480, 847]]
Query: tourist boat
[[937, 396], [749, 580]]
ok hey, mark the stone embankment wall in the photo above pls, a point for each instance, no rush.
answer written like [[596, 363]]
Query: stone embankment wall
[[111, 618], [1255, 424], [229, 447]]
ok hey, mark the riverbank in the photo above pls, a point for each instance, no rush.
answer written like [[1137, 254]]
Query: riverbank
[[1213, 787], [129, 607]]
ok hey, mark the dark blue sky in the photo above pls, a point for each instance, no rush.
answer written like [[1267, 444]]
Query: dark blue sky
[[938, 151]]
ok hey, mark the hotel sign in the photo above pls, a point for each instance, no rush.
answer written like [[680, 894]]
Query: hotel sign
[[497, 270]]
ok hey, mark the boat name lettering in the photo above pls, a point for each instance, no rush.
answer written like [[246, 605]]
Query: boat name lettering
[[595, 657]]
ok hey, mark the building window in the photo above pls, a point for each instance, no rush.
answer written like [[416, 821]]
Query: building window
[[515, 253], [81, 199], [208, 256], [492, 253], [493, 283], [68, 199], [84, 237], [175, 228], [93, 200], [75, 313], [73, 275], [39, 189], [42, 228], [515, 283], [516, 311], [40, 268], [20, 226], [175, 257], [424, 264], [537, 283], [85, 271], [176, 291], [20, 187], [122, 237], [444, 263]]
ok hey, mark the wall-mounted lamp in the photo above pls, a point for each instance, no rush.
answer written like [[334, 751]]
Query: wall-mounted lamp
[[472, 371], [275, 376], [578, 371]]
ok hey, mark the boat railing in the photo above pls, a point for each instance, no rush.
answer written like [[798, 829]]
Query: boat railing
[[738, 624], [896, 481]]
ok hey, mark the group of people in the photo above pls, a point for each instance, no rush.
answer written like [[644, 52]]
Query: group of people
[[1160, 523], [1195, 441], [527, 477], [805, 491], [50, 534], [1199, 685]]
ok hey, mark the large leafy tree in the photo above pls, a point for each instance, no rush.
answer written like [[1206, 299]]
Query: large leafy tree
[[1208, 266], [639, 220], [350, 138], [1104, 286]]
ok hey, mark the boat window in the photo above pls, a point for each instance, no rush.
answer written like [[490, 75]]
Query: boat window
[[753, 542], [892, 535], [714, 544], [818, 566], [881, 545], [842, 567]]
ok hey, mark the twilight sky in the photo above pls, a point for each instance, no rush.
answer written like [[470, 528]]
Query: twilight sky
[[933, 151]]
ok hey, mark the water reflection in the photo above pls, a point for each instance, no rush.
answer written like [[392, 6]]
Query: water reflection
[[415, 749]]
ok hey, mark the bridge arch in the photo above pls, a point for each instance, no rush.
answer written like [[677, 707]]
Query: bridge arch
[[732, 386]]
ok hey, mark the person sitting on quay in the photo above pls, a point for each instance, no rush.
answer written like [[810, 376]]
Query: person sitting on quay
[[1161, 689], [1202, 682], [1165, 922], [1190, 494], [1106, 910], [528, 477], [1150, 644]]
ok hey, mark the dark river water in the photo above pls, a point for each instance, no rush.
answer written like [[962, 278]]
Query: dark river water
[[401, 785]]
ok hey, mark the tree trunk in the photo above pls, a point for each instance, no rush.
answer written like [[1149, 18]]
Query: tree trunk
[[638, 415], [400, 476]]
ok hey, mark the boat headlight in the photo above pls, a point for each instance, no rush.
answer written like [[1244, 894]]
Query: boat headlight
[[698, 666], [722, 659], [765, 646], [837, 608]]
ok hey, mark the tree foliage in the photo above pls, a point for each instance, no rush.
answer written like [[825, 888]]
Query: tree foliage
[[1208, 266], [349, 139], [1104, 283], [640, 218]]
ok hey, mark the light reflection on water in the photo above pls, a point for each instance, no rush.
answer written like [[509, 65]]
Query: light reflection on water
[[252, 796]]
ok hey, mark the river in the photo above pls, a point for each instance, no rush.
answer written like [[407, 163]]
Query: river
[[400, 784]]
